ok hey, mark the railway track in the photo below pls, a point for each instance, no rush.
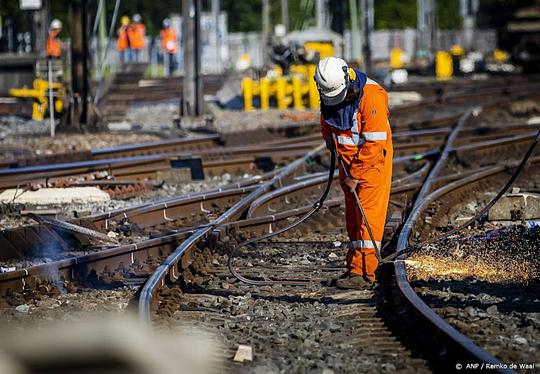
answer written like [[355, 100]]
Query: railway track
[[187, 211], [188, 239], [153, 161], [450, 343]]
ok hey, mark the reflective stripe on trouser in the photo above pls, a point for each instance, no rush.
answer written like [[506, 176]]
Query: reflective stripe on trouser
[[374, 193]]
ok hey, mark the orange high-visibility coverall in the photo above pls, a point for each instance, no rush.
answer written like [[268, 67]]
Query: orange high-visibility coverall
[[367, 151], [54, 45], [123, 41], [136, 33], [169, 43]]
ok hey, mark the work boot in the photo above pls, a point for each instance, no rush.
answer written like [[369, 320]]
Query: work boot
[[353, 282]]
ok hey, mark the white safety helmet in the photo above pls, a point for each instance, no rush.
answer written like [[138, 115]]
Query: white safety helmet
[[56, 24], [137, 18], [166, 22], [332, 80]]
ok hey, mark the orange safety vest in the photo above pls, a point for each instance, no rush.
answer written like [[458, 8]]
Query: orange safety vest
[[123, 40], [54, 45], [136, 33], [168, 40]]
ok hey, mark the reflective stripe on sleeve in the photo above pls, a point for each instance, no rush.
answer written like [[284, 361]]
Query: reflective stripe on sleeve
[[374, 136], [364, 244], [371, 81], [345, 140]]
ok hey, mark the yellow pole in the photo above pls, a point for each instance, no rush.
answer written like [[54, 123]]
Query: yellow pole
[[297, 93], [247, 90], [265, 94], [395, 58], [281, 88], [443, 65], [313, 93]]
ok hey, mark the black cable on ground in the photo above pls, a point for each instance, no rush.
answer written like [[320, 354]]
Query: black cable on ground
[[477, 216], [314, 209]]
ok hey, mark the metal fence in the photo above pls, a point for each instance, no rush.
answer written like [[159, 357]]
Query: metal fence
[[221, 52], [382, 42]]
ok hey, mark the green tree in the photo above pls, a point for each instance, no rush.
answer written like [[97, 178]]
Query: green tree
[[448, 15], [395, 14]]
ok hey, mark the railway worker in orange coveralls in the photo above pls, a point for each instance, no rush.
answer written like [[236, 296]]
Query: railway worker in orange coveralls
[[136, 34], [54, 45], [354, 122], [122, 44], [169, 45]]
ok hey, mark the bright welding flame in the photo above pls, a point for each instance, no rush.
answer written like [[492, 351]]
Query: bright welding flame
[[425, 267]]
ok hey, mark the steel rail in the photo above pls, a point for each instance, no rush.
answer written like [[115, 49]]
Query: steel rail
[[80, 267], [157, 278], [455, 338], [162, 146], [147, 166], [125, 212], [316, 182], [412, 300], [24, 240], [173, 210]]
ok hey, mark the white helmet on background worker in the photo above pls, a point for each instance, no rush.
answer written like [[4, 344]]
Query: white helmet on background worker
[[332, 80], [166, 22], [137, 18], [56, 24]]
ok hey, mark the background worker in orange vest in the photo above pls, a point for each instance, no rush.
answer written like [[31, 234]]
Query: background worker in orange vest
[[136, 34], [169, 45], [354, 123], [54, 45], [122, 43]]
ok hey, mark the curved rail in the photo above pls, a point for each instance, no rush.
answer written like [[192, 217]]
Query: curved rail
[[157, 278], [467, 349]]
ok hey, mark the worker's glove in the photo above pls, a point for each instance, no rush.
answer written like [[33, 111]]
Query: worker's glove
[[352, 183], [330, 144]]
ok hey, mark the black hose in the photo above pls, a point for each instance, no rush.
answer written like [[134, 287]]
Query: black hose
[[314, 209], [477, 216]]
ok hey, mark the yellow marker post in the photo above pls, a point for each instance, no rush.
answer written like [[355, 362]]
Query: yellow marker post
[[299, 70], [265, 94], [281, 93], [500, 56], [395, 58], [247, 91], [297, 93], [457, 50], [443, 65], [313, 92]]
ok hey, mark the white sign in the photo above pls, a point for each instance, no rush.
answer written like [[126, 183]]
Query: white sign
[[30, 4]]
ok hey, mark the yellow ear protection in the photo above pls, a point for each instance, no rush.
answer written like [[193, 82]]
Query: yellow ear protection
[[350, 75]]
